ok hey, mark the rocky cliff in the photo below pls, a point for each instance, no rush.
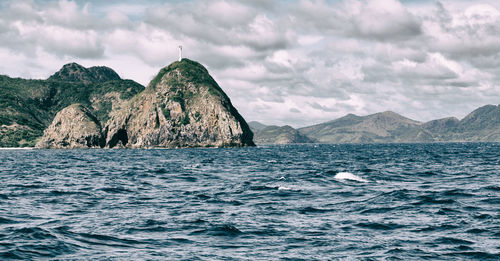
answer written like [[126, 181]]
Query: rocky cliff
[[73, 127], [182, 107]]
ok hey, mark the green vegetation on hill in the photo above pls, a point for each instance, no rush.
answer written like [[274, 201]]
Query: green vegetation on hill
[[74, 72], [194, 73], [264, 134], [28, 106], [379, 127], [483, 124]]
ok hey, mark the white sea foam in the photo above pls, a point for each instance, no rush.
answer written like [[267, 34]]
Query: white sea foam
[[349, 176], [284, 188]]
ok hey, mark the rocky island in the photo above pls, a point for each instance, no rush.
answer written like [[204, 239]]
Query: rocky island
[[80, 107]]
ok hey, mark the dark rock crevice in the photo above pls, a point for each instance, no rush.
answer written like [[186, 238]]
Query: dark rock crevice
[[119, 136]]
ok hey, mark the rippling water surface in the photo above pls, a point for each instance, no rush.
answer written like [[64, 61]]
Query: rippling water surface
[[295, 202]]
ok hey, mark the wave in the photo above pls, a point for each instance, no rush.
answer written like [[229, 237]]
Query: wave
[[349, 176], [220, 230]]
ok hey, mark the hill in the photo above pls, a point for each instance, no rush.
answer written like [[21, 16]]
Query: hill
[[182, 106], [375, 128], [482, 124], [29, 106], [264, 134]]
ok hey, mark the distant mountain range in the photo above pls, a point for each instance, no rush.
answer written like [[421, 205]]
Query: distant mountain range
[[264, 134], [483, 124]]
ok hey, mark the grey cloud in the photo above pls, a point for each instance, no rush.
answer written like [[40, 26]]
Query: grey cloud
[[485, 62], [268, 5], [238, 47], [426, 74], [219, 27], [20, 11], [62, 48], [463, 40], [364, 19], [26, 26], [392, 30], [217, 60], [274, 97], [462, 84], [3, 27], [318, 106]]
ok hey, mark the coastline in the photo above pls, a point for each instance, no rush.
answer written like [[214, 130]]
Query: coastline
[[17, 148]]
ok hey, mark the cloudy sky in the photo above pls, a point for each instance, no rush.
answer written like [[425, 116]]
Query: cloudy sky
[[281, 62]]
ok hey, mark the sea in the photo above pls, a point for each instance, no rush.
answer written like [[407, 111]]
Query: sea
[[436, 201]]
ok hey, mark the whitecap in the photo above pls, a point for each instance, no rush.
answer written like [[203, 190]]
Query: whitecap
[[349, 176]]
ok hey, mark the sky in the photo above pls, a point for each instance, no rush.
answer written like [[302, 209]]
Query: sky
[[295, 62]]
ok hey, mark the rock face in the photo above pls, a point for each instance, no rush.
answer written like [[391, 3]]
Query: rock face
[[73, 127], [182, 107]]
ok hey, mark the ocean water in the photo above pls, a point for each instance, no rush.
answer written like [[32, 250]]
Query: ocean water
[[292, 202]]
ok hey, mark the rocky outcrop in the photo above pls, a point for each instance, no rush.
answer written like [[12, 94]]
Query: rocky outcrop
[[73, 127], [182, 107]]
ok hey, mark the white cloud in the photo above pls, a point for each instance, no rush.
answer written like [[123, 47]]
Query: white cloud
[[281, 62], [470, 32], [382, 19], [150, 44]]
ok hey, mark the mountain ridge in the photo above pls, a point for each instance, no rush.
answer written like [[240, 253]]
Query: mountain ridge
[[482, 124], [272, 134]]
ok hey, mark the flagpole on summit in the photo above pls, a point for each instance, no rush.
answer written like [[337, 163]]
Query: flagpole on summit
[[180, 53]]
